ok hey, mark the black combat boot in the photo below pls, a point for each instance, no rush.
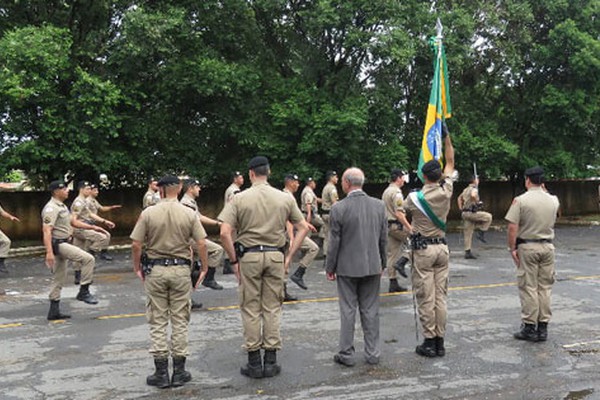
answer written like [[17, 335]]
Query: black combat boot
[[3, 268], [542, 331], [298, 276], [469, 255], [427, 349], [85, 295], [400, 266], [481, 236], [180, 375], [527, 332], [160, 378], [440, 350], [271, 368], [394, 287], [77, 279], [196, 305], [54, 313], [227, 267], [254, 367], [105, 256], [286, 295], [209, 279]]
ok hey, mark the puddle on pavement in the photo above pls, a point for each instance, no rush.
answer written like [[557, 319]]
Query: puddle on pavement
[[579, 394]]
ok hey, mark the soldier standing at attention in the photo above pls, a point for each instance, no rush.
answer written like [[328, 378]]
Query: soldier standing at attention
[[166, 229], [329, 196], [94, 241], [57, 225], [429, 209], [5, 241], [398, 228], [237, 181], [191, 189], [531, 219], [259, 216], [309, 203], [309, 247], [470, 204], [152, 196]]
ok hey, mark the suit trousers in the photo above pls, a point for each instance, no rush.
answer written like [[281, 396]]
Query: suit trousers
[[261, 297], [363, 294], [535, 276], [474, 220], [430, 284], [168, 291], [68, 252]]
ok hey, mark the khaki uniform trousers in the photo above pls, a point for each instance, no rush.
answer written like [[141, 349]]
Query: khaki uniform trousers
[[325, 233], [168, 291], [474, 220], [87, 239], [430, 284], [4, 245], [261, 296], [310, 250], [215, 253], [396, 244], [68, 252], [535, 276]]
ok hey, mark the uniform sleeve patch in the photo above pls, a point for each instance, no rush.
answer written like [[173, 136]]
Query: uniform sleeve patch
[[47, 220]]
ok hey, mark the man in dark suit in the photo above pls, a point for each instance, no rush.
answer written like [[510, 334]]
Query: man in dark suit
[[356, 256]]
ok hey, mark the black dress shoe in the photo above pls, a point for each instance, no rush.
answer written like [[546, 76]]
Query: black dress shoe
[[342, 361]]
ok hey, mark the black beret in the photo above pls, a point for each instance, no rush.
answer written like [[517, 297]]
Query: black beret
[[397, 173], [83, 184], [309, 179], [168, 180], [258, 161], [329, 174], [235, 174], [534, 171], [94, 186], [54, 185], [191, 182], [431, 166], [291, 177]]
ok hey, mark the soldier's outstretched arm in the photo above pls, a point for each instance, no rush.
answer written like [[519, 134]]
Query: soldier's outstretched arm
[[448, 156]]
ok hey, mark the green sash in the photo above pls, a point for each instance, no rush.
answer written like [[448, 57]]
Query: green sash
[[429, 212]]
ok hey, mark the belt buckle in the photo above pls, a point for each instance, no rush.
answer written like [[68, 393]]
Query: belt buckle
[[261, 248]]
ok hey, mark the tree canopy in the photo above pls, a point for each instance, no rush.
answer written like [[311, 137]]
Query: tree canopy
[[140, 87]]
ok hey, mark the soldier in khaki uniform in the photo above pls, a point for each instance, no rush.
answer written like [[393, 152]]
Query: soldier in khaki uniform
[[308, 247], [309, 203], [429, 209], [329, 196], [191, 189], [95, 207], [57, 225], [398, 228], [259, 215], [469, 203], [152, 196], [5, 241], [93, 241], [166, 229], [237, 181], [531, 219]]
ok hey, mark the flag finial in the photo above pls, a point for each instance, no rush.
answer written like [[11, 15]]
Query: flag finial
[[439, 28]]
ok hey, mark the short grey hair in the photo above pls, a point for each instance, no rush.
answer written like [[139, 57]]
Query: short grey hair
[[355, 177]]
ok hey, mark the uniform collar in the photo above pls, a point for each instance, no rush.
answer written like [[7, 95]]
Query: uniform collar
[[169, 200], [57, 202], [356, 192], [532, 188], [265, 183]]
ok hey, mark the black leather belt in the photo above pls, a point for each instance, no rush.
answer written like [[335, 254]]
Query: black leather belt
[[521, 241], [167, 262], [435, 240], [262, 249]]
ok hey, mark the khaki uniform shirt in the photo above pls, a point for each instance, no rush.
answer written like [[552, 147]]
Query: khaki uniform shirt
[[467, 196], [438, 196], [167, 229], [393, 200], [56, 214], [329, 196], [150, 198], [93, 205], [259, 215], [535, 213], [230, 192], [308, 196], [81, 209], [190, 203]]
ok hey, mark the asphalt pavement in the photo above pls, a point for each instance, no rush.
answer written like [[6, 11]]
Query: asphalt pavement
[[102, 351]]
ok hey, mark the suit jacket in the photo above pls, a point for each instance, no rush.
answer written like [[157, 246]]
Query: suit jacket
[[357, 236]]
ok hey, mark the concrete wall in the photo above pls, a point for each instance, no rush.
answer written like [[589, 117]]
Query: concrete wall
[[576, 197]]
